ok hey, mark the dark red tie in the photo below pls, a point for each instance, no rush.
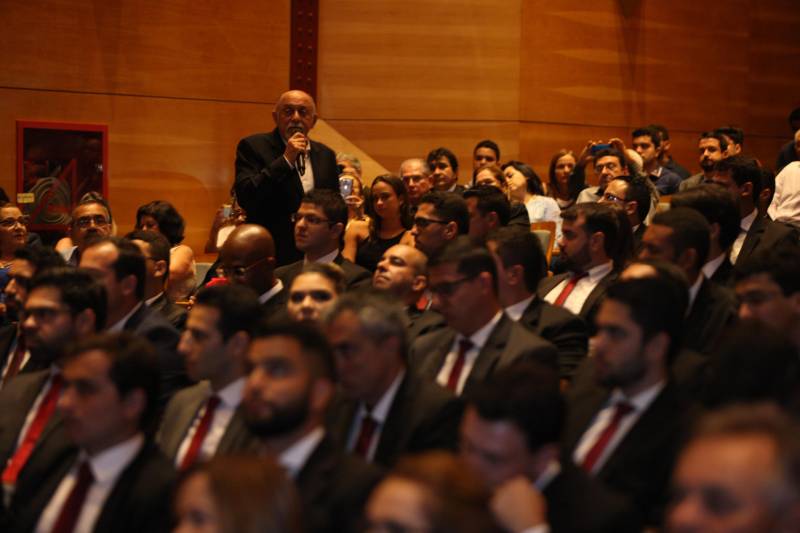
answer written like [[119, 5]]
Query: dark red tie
[[71, 510], [16, 359], [43, 414], [364, 441], [464, 346], [621, 411], [200, 433], [568, 288]]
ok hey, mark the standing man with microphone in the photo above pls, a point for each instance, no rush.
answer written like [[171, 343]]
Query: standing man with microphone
[[274, 170]]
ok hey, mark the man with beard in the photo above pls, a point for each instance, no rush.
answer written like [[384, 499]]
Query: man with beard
[[91, 219], [63, 305], [626, 433], [288, 390], [712, 147]]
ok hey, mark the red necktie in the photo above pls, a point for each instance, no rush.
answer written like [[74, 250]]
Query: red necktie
[[567, 290], [71, 510], [455, 373], [16, 359], [43, 414], [364, 441], [200, 433], [622, 410]]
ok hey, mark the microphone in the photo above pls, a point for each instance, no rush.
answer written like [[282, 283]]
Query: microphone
[[300, 163]]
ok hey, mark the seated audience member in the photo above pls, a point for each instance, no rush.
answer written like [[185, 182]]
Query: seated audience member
[[494, 177], [15, 357], [116, 479], [13, 236], [227, 217], [288, 391], [313, 291], [785, 204], [385, 410], [682, 236], [734, 137], [608, 163], [120, 266], [205, 420], [665, 157], [248, 258], [635, 198], [767, 191], [480, 338], [416, 175], [319, 232], [440, 218], [444, 170], [239, 494], [155, 249], [63, 306], [486, 153], [403, 272], [647, 143], [768, 289], [563, 185], [488, 210], [520, 267], [365, 241], [590, 235], [712, 148], [626, 432], [722, 215], [90, 219], [510, 436], [162, 217], [790, 151], [349, 164], [738, 473], [433, 491], [741, 176], [525, 187]]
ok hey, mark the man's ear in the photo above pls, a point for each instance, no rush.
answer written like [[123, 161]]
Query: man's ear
[[160, 270], [631, 208], [451, 230], [133, 404], [128, 285], [597, 241], [338, 228], [85, 323], [515, 275], [746, 190], [687, 259], [419, 283], [320, 395], [493, 219], [237, 344]]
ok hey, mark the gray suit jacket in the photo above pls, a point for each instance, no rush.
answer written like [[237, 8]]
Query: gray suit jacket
[[508, 343]]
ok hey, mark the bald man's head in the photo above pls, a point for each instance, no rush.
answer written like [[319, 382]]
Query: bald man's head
[[403, 271], [295, 112], [248, 257]]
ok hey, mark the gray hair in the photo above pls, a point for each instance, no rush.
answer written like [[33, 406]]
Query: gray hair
[[380, 316], [350, 158], [426, 168]]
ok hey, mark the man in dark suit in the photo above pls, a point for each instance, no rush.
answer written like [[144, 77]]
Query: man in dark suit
[[625, 432], [63, 306], [114, 479], [441, 217], [156, 250], [385, 410], [635, 197], [489, 209], [120, 266], [248, 258], [510, 434], [318, 232], [590, 242], [444, 170], [480, 339], [681, 236], [274, 169], [288, 391], [213, 346]]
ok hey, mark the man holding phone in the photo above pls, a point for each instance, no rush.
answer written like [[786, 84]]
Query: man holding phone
[[274, 170]]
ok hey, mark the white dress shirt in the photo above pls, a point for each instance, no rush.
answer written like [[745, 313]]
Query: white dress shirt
[[712, 266], [294, 458], [785, 205], [106, 468], [379, 414], [478, 339], [514, 311], [230, 397], [640, 403], [584, 287], [307, 178], [744, 227], [693, 290], [278, 287]]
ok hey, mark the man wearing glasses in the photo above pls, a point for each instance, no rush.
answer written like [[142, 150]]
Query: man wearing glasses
[[609, 163], [479, 338], [635, 198], [91, 218], [440, 218]]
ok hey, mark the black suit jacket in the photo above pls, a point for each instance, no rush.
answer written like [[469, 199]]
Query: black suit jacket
[[178, 418], [276, 306], [333, 487], [422, 322], [175, 314], [723, 275], [270, 190], [355, 276], [714, 309], [8, 333], [139, 501], [765, 234], [568, 332], [423, 416], [509, 342], [592, 303]]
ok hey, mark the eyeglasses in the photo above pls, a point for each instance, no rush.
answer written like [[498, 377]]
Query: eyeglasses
[[448, 288], [609, 197], [318, 296], [423, 223], [240, 271], [610, 166], [85, 222], [11, 222], [314, 220]]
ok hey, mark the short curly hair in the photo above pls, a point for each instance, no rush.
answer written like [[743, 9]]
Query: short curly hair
[[170, 222]]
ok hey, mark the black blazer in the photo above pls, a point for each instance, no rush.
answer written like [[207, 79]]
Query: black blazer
[[270, 190], [714, 309], [592, 303], [765, 234], [509, 342], [723, 275], [423, 416], [355, 276], [8, 333], [175, 314], [422, 322], [568, 332], [139, 501], [333, 487]]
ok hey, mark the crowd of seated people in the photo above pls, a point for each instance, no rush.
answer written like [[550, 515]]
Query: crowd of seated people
[[404, 358]]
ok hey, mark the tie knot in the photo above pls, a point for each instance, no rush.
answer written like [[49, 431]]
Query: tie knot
[[213, 402], [464, 345], [85, 474]]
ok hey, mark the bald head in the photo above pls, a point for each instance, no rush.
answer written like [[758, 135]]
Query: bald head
[[417, 178], [295, 112], [403, 271], [248, 257]]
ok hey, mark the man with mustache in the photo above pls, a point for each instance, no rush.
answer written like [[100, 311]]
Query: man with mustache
[[712, 147]]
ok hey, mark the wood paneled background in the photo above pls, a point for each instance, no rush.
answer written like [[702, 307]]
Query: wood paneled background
[[179, 82]]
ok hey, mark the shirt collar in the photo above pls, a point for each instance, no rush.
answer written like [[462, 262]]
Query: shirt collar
[[151, 301], [294, 458], [598, 272], [549, 473], [640, 401], [748, 220], [231, 394], [514, 311], [480, 337], [380, 412], [120, 325], [107, 465], [693, 290], [712, 266], [327, 258], [278, 287]]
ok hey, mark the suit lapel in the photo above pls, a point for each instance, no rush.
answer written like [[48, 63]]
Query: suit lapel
[[598, 291], [548, 284], [396, 421], [237, 437], [753, 237], [433, 361], [490, 353], [184, 420]]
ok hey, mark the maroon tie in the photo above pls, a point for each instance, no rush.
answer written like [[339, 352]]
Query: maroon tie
[[364, 441], [622, 410], [71, 510], [16, 360], [568, 288], [200, 433], [464, 346]]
